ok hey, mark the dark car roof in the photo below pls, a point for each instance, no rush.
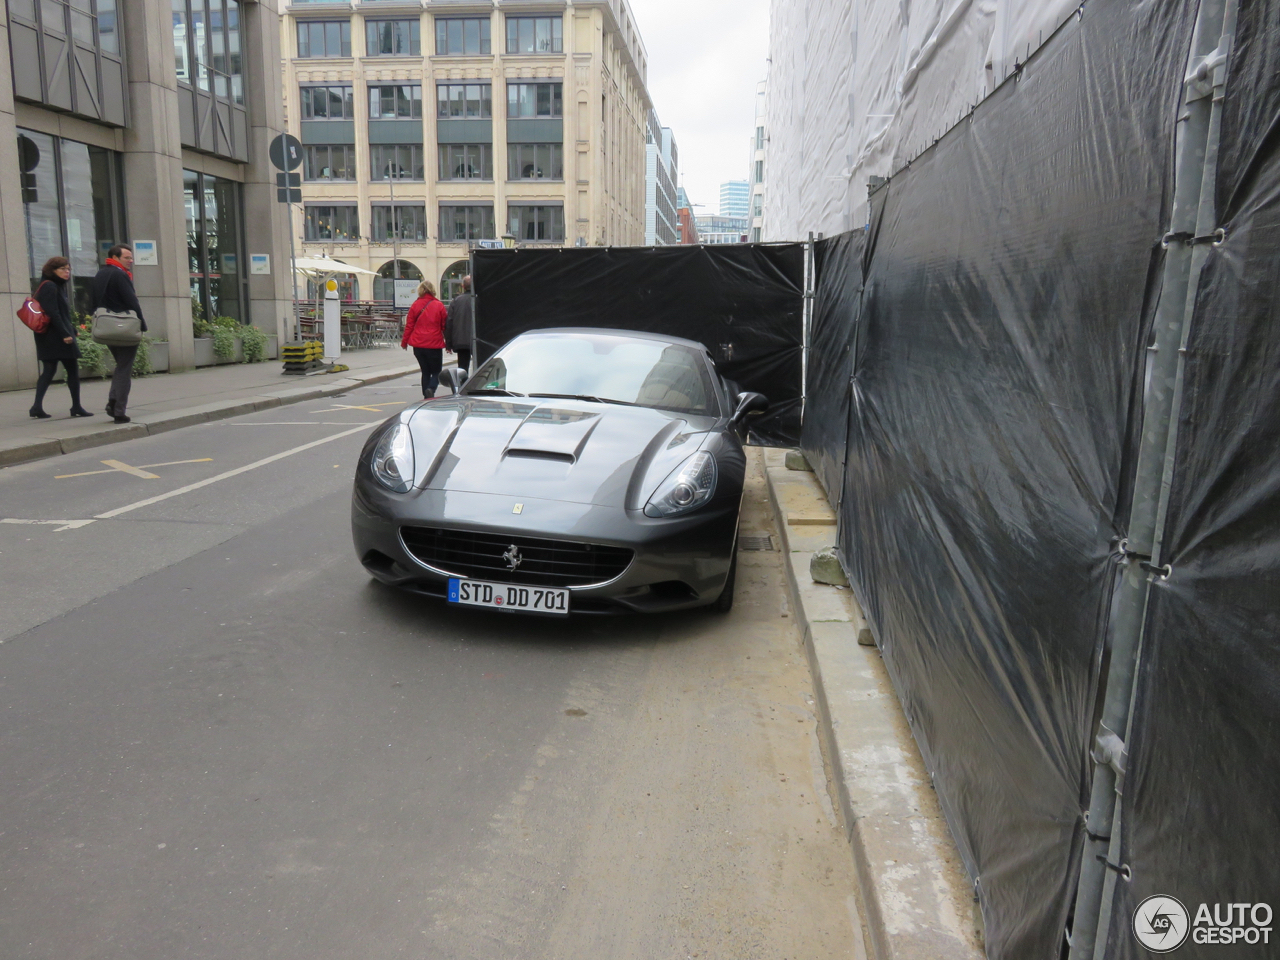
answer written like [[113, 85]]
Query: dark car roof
[[613, 332]]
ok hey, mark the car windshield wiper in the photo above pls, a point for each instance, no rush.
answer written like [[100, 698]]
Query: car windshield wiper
[[582, 396], [493, 392]]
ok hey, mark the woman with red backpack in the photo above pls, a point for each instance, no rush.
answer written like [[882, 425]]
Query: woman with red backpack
[[57, 343]]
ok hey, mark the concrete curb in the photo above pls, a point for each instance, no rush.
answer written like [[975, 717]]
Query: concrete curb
[[917, 902], [23, 451]]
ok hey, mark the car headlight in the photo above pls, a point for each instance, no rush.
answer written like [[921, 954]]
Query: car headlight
[[688, 487], [393, 459]]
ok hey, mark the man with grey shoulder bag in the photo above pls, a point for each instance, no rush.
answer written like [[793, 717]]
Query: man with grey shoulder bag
[[118, 323]]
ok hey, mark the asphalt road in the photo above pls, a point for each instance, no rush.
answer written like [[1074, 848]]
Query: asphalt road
[[220, 739]]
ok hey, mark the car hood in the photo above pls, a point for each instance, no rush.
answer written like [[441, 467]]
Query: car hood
[[572, 451]]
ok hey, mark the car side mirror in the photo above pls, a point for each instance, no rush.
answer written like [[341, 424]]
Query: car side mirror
[[750, 404], [452, 378]]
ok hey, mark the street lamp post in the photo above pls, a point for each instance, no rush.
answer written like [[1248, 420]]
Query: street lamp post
[[395, 231]]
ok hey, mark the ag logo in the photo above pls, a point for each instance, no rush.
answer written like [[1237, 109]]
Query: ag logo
[[1161, 924]]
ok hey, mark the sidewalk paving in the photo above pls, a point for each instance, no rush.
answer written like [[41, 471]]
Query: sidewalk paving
[[168, 401], [917, 902]]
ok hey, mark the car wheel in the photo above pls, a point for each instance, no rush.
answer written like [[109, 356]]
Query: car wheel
[[724, 602]]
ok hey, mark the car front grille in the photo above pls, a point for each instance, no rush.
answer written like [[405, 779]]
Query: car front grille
[[544, 563]]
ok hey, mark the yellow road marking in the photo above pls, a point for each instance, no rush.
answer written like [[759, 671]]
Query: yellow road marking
[[372, 407], [116, 465]]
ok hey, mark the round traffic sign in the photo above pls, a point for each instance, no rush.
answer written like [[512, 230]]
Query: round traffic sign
[[286, 152]]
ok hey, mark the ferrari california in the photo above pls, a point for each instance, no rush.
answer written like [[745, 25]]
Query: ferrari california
[[576, 471]]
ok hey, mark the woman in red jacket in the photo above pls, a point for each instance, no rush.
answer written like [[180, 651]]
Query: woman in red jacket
[[424, 331]]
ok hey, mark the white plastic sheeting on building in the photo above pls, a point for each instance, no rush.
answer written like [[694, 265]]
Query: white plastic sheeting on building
[[858, 88]]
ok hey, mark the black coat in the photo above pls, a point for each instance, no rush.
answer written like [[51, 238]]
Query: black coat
[[112, 288], [460, 328], [52, 297]]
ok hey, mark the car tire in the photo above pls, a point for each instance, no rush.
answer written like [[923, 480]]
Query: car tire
[[724, 602]]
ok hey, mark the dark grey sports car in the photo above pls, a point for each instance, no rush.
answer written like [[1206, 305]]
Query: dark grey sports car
[[577, 471]]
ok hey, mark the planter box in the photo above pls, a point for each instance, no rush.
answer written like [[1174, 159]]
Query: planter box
[[204, 351], [273, 347], [236, 357], [160, 356]]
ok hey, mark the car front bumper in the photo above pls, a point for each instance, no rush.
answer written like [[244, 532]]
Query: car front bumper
[[679, 563]]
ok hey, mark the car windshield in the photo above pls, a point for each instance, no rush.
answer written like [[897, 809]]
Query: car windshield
[[610, 368]]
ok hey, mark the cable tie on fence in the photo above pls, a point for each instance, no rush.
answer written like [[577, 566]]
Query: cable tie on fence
[[1123, 869], [1191, 240], [1164, 572], [1097, 838]]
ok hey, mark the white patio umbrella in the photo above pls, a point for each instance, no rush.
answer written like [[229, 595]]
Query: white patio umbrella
[[327, 267]]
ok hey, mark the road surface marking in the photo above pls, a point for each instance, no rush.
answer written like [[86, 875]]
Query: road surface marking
[[60, 524], [299, 423], [372, 407], [127, 508], [116, 465]]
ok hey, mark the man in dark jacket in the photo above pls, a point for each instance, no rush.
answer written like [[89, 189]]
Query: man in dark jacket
[[460, 328], [112, 288]]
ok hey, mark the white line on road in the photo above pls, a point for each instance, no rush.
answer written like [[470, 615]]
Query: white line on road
[[60, 524], [230, 473], [299, 423]]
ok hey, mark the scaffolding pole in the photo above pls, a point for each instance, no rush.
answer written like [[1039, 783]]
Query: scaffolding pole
[[1192, 231]]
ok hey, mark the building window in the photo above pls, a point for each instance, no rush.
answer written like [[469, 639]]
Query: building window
[[206, 46], [458, 223], [72, 204], [536, 223], [755, 234], [336, 162], [535, 161], [757, 205], [324, 38], [759, 171], [327, 103], [392, 38], [407, 222], [462, 38], [213, 207], [384, 284], [401, 161], [333, 223], [535, 35], [759, 138], [395, 103], [466, 161], [464, 100], [535, 100]]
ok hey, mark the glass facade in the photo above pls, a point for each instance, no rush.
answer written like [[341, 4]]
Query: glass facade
[[401, 161], [459, 224], [466, 161], [73, 206], [464, 100], [384, 284], [462, 37], [535, 161], [536, 223], [215, 244], [206, 46], [406, 222], [535, 34], [535, 100]]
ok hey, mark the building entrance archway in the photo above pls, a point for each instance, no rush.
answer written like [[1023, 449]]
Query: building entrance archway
[[451, 279]]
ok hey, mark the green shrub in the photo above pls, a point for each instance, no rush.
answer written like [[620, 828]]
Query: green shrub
[[255, 344], [224, 343], [142, 359], [201, 329], [93, 355]]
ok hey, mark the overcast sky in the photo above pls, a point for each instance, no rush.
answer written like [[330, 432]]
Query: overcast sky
[[705, 58]]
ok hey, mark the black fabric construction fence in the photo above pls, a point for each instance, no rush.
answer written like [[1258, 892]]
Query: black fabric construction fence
[[1009, 278], [835, 315], [1200, 813], [744, 302]]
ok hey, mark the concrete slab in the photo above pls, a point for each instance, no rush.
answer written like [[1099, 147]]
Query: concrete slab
[[35, 448], [916, 899], [112, 433]]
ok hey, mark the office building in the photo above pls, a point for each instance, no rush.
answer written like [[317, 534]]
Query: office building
[[759, 140], [137, 121], [713, 228], [662, 170], [431, 129], [735, 198]]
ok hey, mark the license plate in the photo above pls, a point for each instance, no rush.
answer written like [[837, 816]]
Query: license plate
[[504, 596]]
